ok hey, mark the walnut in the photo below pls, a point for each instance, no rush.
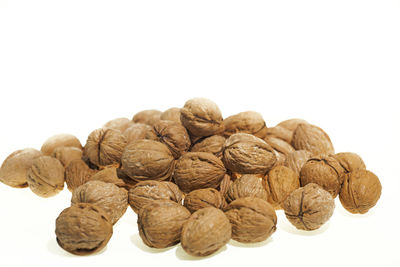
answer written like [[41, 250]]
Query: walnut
[[120, 124], [65, 154], [202, 198], [77, 173], [109, 175], [324, 171], [225, 185], [59, 140], [279, 145], [147, 192], [245, 122], [248, 185], [280, 133], [160, 223], [83, 229], [309, 207], [201, 117], [172, 114], [107, 196], [13, 171], [360, 191], [147, 160], [137, 131], [195, 170], [312, 138], [291, 124], [297, 159], [350, 161], [205, 232], [247, 154], [149, 117], [104, 147], [212, 144], [46, 176], [253, 219]]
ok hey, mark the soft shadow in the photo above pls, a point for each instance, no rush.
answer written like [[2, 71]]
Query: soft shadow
[[137, 241], [347, 214], [55, 249], [182, 255], [250, 245], [289, 228]]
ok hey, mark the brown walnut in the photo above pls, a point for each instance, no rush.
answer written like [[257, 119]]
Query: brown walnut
[[202, 198], [66, 154], [137, 131], [77, 173], [309, 207], [279, 145], [109, 175], [247, 154], [83, 229], [150, 117], [46, 176], [291, 124], [253, 219], [250, 122], [147, 192], [280, 133], [360, 191], [205, 232], [212, 144], [160, 223], [147, 160], [350, 161], [312, 138], [59, 140], [324, 171], [201, 117], [172, 114], [120, 124], [107, 196], [297, 159], [225, 185], [195, 170], [247, 185], [13, 171]]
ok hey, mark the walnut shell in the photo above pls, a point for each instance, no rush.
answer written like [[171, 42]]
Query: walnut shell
[[174, 135], [59, 140], [66, 154], [202, 198], [250, 122], [253, 219], [77, 173], [350, 161], [107, 196], [309, 207], [205, 232], [137, 131], [247, 154], [160, 223], [147, 192], [360, 191], [172, 114], [281, 181], [13, 171], [280, 133], [150, 117], [147, 160], [46, 176], [109, 175], [247, 185], [120, 124], [312, 138], [212, 144], [291, 124], [83, 229], [279, 145], [104, 147], [324, 171], [225, 185], [196, 170], [297, 159], [201, 117]]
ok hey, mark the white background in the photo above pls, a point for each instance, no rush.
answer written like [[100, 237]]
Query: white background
[[70, 66]]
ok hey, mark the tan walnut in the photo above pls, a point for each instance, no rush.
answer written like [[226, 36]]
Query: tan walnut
[[312, 138], [202, 198], [250, 122]]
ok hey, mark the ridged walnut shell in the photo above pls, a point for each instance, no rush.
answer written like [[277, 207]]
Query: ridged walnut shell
[[201, 117], [213, 144], [247, 185], [46, 176], [247, 154], [309, 207], [66, 154], [77, 173], [107, 196], [120, 124], [172, 114], [205, 232], [83, 229], [137, 131], [109, 175], [150, 117], [280, 133], [324, 171], [350, 161], [312, 138], [291, 124], [279, 145], [147, 192], [202, 198], [360, 192], [160, 223], [297, 159], [147, 160], [60, 140], [250, 122], [253, 219], [196, 170], [14, 170]]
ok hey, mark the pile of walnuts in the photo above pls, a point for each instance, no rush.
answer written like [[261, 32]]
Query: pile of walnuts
[[193, 177]]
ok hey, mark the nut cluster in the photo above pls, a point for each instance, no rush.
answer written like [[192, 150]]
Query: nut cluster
[[193, 177]]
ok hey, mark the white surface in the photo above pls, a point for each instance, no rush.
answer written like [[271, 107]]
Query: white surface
[[70, 66]]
